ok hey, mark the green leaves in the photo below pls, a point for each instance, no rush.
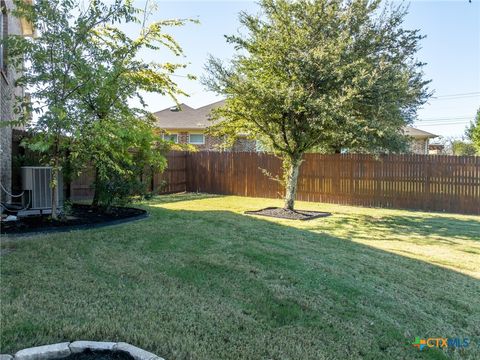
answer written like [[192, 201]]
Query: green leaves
[[82, 71], [324, 74], [473, 132]]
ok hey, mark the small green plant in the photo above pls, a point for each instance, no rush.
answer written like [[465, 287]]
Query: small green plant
[[67, 209]]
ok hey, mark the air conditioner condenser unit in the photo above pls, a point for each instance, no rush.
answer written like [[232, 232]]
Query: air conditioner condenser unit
[[36, 183]]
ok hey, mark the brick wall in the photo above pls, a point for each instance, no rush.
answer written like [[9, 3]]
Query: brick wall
[[419, 146], [5, 138], [183, 137], [213, 143], [7, 92]]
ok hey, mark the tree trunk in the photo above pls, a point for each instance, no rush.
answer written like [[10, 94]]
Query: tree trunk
[[53, 187], [96, 190], [291, 168]]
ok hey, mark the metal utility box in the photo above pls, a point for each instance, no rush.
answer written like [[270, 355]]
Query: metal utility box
[[36, 182]]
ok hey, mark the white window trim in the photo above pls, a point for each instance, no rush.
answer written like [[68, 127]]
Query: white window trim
[[172, 134], [196, 143]]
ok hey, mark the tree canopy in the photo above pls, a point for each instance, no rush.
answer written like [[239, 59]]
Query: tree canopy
[[113, 132], [82, 71], [462, 148], [330, 74]]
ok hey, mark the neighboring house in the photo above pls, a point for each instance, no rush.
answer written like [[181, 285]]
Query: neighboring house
[[436, 149], [186, 125], [420, 140], [9, 25]]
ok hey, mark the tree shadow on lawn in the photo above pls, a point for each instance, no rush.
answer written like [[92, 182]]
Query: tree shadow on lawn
[[220, 285], [432, 229], [287, 277], [296, 278], [449, 227], [183, 196]]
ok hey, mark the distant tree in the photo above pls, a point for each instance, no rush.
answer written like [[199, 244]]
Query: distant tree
[[473, 132], [462, 147], [320, 74]]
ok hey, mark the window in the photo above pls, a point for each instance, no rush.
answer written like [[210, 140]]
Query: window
[[197, 139], [171, 137]]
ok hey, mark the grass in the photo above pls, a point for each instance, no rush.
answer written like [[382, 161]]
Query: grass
[[199, 279]]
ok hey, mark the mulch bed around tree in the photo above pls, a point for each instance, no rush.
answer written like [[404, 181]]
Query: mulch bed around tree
[[99, 355], [289, 214], [80, 217]]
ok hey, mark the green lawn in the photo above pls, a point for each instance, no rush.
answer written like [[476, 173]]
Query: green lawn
[[199, 279]]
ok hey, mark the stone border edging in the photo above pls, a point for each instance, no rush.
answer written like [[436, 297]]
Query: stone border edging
[[60, 350]]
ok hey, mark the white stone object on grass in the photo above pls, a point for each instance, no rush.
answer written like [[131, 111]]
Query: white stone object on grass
[[137, 353], [53, 351], [80, 346]]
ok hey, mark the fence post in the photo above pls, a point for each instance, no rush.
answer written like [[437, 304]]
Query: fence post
[[186, 171], [426, 165]]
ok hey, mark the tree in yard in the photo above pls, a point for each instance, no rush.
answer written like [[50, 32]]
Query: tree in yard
[[473, 132], [50, 58], [82, 71], [121, 152], [117, 139], [320, 74]]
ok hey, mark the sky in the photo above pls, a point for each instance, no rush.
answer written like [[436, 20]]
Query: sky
[[451, 51]]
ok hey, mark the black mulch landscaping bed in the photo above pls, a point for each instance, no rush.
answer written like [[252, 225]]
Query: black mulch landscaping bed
[[99, 355], [289, 214], [81, 216]]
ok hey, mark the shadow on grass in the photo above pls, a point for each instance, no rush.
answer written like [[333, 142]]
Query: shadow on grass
[[179, 197], [220, 285], [440, 226], [295, 278], [438, 229]]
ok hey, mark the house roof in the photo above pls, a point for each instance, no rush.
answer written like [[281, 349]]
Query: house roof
[[417, 133], [185, 117]]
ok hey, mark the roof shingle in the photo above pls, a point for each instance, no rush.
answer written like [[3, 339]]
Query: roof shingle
[[186, 117], [414, 132]]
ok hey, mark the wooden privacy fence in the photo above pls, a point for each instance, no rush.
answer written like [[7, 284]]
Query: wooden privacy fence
[[173, 179], [170, 181], [423, 182]]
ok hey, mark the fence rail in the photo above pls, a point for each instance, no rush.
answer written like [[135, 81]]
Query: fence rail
[[423, 182]]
